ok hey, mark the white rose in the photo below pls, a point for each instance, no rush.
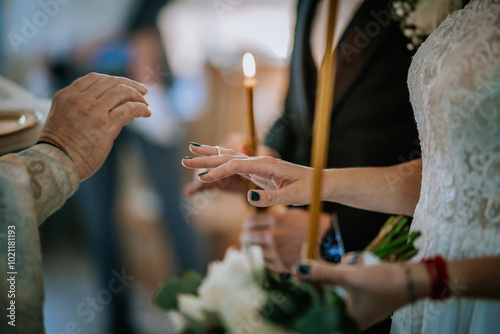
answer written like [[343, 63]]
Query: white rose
[[192, 306], [240, 312], [178, 321], [430, 13], [235, 272]]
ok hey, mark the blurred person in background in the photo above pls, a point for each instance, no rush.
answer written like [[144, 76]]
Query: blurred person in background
[[118, 38]]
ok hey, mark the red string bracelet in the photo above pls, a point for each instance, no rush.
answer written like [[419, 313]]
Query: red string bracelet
[[440, 281]]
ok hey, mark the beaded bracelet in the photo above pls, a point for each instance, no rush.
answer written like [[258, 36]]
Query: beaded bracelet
[[440, 282]]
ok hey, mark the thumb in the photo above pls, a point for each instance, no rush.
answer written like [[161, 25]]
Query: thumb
[[320, 272], [265, 198]]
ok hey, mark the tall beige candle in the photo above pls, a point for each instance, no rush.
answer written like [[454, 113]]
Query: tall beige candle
[[321, 133], [250, 82]]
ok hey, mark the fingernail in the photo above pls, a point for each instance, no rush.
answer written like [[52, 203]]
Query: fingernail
[[203, 173], [285, 277], [195, 144], [304, 269], [254, 196], [187, 158], [354, 259]]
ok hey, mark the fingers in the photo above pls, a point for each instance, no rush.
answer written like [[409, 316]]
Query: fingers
[[206, 162], [320, 272], [207, 150], [118, 95], [265, 198], [260, 221], [273, 262], [259, 238], [83, 83], [236, 166], [86, 82], [125, 113], [197, 186], [353, 258], [102, 86]]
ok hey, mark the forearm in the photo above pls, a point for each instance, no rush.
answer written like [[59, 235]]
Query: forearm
[[394, 189], [473, 278]]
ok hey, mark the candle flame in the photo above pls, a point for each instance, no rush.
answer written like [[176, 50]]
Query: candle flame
[[248, 65]]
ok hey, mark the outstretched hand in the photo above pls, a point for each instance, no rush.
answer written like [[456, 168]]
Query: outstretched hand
[[234, 183], [88, 115], [281, 182]]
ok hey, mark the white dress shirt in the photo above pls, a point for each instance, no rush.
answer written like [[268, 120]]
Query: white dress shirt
[[345, 12]]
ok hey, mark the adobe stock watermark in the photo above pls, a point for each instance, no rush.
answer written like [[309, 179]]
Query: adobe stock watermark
[[31, 26], [435, 309], [404, 169], [253, 320], [363, 37], [92, 305], [225, 6], [201, 200]]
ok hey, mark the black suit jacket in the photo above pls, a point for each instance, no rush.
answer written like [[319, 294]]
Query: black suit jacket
[[372, 119]]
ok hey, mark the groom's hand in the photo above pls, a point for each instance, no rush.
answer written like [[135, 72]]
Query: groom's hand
[[88, 115], [281, 232]]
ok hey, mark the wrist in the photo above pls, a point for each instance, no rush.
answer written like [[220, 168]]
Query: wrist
[[421, 280], [331, 185]]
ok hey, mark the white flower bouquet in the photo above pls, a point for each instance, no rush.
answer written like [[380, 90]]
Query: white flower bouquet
[[238, 295]]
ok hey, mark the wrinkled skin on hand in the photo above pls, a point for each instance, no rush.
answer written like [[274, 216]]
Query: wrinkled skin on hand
[[88, 115]]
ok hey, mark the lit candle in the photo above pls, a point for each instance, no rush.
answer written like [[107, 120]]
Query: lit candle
[[250, 82], [321, 130]]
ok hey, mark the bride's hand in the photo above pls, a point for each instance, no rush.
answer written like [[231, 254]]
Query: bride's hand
[[281, 182], [372, 292]]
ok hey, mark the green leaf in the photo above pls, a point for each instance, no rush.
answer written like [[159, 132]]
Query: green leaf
[[166, 297], [189, 282], [323, 318], [196, 327], [287, 300]]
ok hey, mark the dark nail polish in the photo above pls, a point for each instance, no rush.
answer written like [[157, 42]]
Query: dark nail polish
[[187, 158], [195, 144], [254, 196], [285, 277], [355, 258], [304, 269], [203, 173]]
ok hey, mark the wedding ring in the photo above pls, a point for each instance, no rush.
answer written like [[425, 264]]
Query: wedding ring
[[219, 150]]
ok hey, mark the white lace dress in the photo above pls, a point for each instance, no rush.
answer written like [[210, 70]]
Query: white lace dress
[[454, 85]]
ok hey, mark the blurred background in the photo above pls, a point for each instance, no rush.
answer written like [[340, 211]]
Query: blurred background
[[128, 228]]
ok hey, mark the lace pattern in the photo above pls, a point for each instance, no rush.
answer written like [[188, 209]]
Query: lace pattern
[[454, 84]]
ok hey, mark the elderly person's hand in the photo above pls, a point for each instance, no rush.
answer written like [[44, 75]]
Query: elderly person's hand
[[280, 232], [281, 182], [88, 115]]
